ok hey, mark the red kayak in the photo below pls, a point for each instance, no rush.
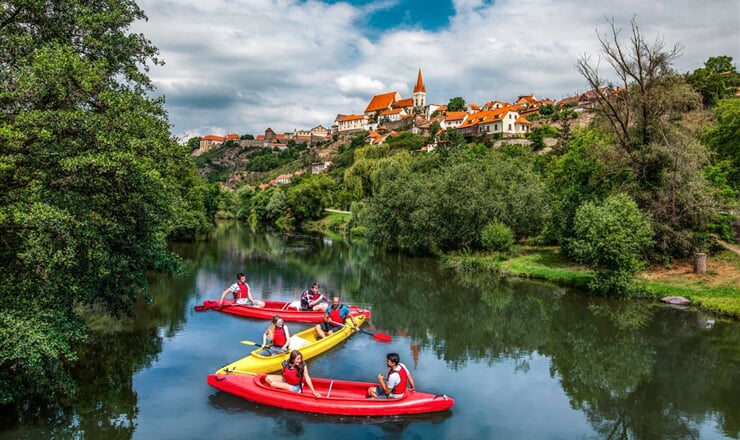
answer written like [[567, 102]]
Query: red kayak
[[338, 397], [287, 310]]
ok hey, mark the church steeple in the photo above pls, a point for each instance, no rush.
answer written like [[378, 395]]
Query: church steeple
[[419, 84], [420, 92]]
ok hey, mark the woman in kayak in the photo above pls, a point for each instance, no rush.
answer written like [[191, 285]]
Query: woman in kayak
[[295, 374], [278, 335]]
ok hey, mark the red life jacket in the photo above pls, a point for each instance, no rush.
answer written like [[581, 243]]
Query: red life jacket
[[278, 337], [401, 387], [243, 291], [291, 376], [336, 315]]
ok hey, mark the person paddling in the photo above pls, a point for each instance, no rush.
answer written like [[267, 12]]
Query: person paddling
[[335, 318], [240, 291], [278, 335]]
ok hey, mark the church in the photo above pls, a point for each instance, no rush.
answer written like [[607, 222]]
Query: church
[[391, 107]]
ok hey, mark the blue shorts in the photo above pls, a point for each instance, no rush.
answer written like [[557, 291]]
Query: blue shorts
[[325, 326], [382, 395], [244, 301], [296, 388]]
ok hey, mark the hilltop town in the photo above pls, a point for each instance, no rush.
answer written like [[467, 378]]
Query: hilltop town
[[388, 115]]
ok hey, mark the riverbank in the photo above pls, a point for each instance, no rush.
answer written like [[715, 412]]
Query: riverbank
[[717, 291]]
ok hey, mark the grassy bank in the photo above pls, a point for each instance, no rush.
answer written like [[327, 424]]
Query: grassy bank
[[717, 291], [333, 225]]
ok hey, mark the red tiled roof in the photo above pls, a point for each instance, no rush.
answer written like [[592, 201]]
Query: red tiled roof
[[381, 102], [394, 111], [454, 116], [350, 118], [407, 102], [212, 137]]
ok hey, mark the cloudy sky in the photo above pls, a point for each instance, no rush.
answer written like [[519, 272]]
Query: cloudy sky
[[241, 66]]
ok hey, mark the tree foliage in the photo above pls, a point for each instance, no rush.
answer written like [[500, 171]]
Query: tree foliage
[[91, 183], [723, 138], [308, 198], [441, 209], [643, 112], [456, 104], [611, 237], [717, 80]]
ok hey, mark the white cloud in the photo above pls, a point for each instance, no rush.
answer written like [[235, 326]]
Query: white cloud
[[358, 85], [245, 65]]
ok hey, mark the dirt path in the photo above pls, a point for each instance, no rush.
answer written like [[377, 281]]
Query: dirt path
[[728, 246]]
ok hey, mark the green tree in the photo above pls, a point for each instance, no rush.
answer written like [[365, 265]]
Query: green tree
[[644, 113], [611, 237], [538, 134], [456, 104], [91, 183], [244, 201], [440, 209], [308, 199], [193, 143], [718, 79], [724, 140]]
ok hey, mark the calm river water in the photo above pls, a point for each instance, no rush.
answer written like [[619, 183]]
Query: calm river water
[[523, 360]]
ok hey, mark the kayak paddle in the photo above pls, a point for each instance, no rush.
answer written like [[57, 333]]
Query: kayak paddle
[[380, 337], [250, 343]]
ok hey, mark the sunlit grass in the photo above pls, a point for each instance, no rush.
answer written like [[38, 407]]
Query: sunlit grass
[[721, 295]]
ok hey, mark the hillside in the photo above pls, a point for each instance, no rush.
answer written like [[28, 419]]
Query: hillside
[[229, 164]]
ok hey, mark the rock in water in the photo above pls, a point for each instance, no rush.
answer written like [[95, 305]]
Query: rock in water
[[676, 300]]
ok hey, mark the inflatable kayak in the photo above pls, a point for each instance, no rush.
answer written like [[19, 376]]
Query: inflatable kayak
[[338, 397], [306, 341], [289, 311]]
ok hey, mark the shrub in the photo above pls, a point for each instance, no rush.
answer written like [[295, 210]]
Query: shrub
[[612, 238], [497, 236]]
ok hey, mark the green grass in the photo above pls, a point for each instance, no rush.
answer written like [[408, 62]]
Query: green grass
[[547, 263], [544, 263], [333, 225]]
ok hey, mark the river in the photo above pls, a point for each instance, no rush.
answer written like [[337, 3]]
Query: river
[[523, 360]]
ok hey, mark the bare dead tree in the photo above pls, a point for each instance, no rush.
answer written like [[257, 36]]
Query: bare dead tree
[[631, 104]]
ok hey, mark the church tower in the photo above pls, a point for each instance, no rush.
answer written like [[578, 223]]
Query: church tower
[[420, 93]]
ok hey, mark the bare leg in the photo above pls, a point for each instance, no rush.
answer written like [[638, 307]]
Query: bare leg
[[372, 392], [276, 381], [319, 331]]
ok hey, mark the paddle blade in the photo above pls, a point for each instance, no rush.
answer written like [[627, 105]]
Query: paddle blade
[[200, 308], [250, 343], [382, 337]]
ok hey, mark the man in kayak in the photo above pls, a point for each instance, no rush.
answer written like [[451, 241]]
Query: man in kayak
[[396, 382], [335, 318], [312, 299], [278, 335], [295, 374], [241, 293]]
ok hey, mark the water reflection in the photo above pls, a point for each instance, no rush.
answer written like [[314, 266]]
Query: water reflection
[[296, 424], [628, 369]]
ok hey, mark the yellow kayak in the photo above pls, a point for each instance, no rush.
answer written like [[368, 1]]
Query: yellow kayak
[[305, 341]]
